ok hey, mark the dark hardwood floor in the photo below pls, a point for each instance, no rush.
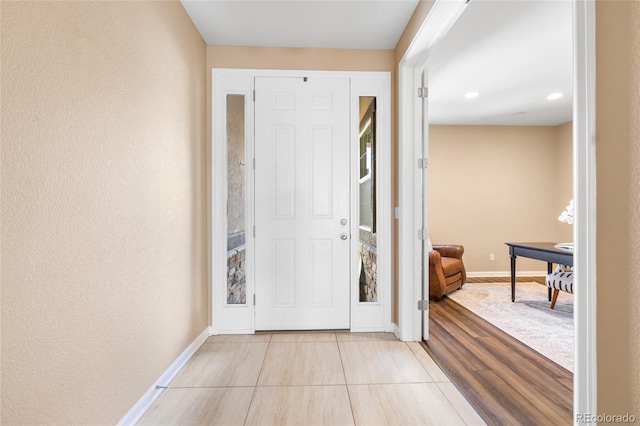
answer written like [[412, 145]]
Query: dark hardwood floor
[[471, 280], [506, 381]]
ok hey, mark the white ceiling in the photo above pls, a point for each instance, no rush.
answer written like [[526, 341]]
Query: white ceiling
[[514, 53], [345, 24]]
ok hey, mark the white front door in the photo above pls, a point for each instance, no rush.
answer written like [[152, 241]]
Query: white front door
[[302, 199]]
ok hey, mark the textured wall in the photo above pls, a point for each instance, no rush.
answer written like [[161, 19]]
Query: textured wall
[[633, 302], [618, 205], [563, 172], [103, 204], [493, 184]]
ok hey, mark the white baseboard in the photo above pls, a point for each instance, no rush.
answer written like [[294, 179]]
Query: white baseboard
[[143, 404], [234, 331], [396, 331], [489, 274]]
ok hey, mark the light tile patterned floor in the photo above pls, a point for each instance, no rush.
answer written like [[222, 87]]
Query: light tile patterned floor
[[311, 379]]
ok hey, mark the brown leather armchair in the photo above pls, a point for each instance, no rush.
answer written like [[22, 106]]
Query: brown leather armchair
[[446, 270]]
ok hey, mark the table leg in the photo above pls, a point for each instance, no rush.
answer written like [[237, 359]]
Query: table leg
[[513, 278], [549, 271]]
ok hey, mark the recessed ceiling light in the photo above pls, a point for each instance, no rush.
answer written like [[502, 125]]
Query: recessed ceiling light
[[472, 95], [554, 96]]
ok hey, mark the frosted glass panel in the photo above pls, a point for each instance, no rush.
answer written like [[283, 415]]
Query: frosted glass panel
[[367, 199], [236, 280]]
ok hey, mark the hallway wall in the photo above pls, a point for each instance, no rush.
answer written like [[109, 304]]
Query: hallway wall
[[493, 184], [618, 206], [103, 205]]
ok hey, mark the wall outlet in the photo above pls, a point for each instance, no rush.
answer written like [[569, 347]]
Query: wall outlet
[[492, 256]]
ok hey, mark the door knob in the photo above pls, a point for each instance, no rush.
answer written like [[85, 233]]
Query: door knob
[[343, 236], [343, 222]]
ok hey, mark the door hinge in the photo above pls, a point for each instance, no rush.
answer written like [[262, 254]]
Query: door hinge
[[423, 305], [254, 164], [423, 92], [254, 232], [254, 95], [423, 234], [254, 299], [423, 163]]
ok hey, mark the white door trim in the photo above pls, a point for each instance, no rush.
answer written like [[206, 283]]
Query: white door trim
[[442, 16], [584, 190], [225, 318], [239, 319], [374, 316], [439, 20]]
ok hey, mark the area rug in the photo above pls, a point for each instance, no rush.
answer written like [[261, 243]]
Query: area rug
[[529, 319]]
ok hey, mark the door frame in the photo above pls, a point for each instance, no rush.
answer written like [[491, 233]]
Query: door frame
[[240, 319], [441, 17]]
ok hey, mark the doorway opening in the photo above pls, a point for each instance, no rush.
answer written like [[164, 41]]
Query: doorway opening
[[282, 170], [440, 19]]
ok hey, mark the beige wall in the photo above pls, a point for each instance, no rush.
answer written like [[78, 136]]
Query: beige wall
[[618, 205], [299, 58], [103, 204], [493, 184], [563, 184]]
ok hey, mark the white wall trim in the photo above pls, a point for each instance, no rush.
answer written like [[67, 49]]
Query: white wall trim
[[584, 164], [497, 274], [396, 330], [137, 411], [408, 319], [225, 318], [440, 18], [373, 316]]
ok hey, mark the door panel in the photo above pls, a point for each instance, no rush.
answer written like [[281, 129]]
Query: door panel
[[284, 172], [321, 172], [283, 272], [302, 193]]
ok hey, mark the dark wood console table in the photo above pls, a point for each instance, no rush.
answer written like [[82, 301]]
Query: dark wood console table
[[541, 251]]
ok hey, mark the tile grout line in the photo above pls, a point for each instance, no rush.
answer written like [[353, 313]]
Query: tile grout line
[[455, 406], [346, 385], [420, 362], [255, 387]]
